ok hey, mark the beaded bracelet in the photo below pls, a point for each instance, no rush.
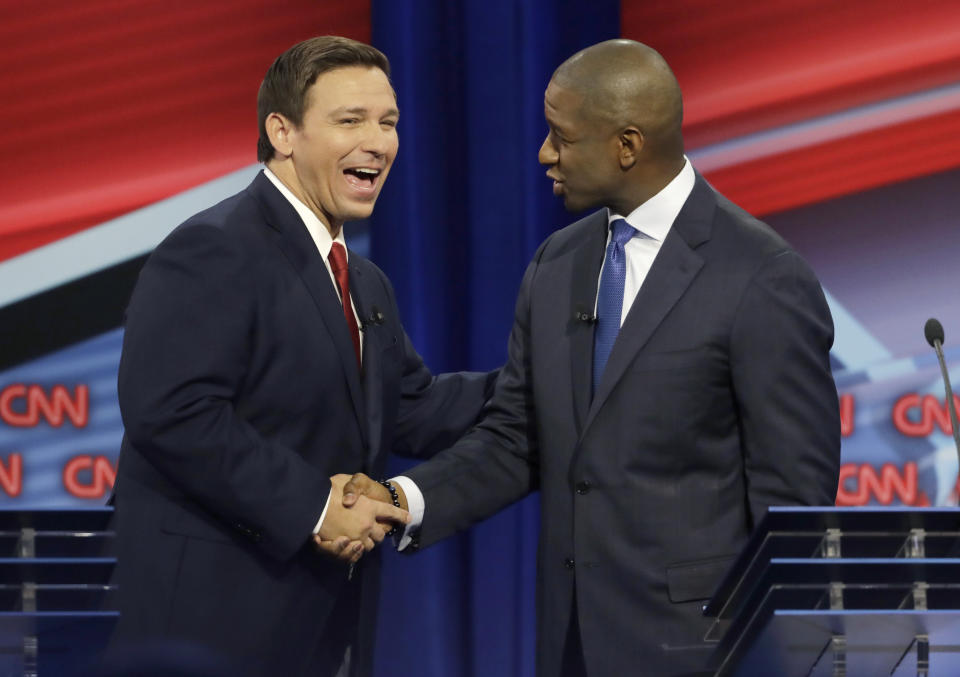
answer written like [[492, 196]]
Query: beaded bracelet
[[396, 501]]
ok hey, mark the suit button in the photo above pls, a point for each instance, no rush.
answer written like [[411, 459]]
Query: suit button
[[583, 487], [568, 562]]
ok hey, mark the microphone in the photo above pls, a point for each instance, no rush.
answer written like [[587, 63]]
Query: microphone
[[580, 314], [933, 331], [375, 318]]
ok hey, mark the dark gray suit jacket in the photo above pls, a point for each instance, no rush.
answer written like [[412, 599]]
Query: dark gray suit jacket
[[716, 403], [241, 395]]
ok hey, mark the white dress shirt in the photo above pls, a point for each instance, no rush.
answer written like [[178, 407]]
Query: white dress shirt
[[324, 242], [321, 238], [653, 220]]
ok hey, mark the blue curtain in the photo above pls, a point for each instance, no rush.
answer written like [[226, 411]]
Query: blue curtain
[[462, 213]]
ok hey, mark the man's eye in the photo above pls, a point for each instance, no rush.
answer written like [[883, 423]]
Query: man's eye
[[349, 121], [389, 124]]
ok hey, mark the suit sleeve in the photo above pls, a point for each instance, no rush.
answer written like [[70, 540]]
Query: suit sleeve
[[436, 410], [497, 463], [187, 347], [785, 393]]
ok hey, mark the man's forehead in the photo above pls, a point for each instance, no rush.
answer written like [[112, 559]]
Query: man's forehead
[[562, 102], [352, 87], [560, 95]]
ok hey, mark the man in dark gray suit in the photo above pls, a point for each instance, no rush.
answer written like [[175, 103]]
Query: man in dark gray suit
[[668, 379]]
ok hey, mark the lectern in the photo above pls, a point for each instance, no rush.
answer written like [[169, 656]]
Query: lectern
[[842, 592], [57, 607]]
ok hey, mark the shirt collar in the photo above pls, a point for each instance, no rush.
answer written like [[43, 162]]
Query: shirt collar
[[317, 229], [654, 217]]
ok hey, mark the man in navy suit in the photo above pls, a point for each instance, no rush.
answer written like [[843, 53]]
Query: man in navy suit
[[261, 361], [668, 379]]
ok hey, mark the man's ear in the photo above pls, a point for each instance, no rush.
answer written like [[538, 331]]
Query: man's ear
[[629, 144], [280, 131]]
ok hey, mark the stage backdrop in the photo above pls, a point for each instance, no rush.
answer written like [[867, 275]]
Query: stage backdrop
[[838, 123]]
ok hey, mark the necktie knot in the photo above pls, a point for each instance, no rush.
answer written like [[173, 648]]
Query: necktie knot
[[338, 259], [621, 231]]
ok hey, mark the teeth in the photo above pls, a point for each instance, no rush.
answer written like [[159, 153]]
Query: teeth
[[368, 172]]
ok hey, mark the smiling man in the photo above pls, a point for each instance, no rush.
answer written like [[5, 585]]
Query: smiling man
[[261, 359], [668, 379]]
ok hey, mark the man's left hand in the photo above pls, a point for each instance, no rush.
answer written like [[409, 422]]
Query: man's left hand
[[361, 485]]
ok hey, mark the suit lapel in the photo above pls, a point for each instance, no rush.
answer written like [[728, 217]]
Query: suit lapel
[[587, 260], [672, 272], [301, 252], [363, 288]]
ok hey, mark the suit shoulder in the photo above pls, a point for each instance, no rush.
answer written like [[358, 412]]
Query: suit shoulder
[[228, 223], [231, 213], [216, 234], [752, 247], [751, 236]]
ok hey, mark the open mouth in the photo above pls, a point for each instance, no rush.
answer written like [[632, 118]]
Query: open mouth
[[557, 183], [362, 178]]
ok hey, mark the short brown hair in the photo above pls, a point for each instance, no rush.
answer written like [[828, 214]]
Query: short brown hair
[[284, 87]]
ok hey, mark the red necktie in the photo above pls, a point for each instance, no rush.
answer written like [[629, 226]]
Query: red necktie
[[338, 263]]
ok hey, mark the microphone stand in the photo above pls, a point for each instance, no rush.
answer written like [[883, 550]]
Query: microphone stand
[[951, 404]]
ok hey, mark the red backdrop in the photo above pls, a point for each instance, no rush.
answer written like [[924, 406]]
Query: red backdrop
[[111, 105], [754, 67]]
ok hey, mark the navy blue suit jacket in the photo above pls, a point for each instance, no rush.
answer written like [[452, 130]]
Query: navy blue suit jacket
[[717, 402], [241, 396]]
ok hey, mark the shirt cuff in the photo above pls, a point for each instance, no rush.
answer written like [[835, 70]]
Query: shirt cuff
[[415, 506], [316, 529]]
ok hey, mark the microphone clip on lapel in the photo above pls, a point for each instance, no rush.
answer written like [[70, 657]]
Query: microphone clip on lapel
[[581, 315], [375, 318]]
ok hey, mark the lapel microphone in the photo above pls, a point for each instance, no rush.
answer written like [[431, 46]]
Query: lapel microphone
[[375, 318], [933, 331], [580, 314]]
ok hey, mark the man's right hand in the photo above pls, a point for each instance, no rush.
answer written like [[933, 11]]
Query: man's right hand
[[361, 519]]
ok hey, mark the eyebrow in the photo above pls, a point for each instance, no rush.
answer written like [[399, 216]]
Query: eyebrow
[[360, 110]]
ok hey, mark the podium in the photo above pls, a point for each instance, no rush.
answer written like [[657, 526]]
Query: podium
[[842, 592], [57, 607]]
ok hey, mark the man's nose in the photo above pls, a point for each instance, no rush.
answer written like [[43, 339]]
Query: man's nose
[[378, 140], [547, 154]]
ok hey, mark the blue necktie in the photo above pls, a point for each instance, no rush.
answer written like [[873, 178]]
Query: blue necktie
[[610, 297]]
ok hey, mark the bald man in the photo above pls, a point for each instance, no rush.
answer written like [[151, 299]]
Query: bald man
[[668, 379]]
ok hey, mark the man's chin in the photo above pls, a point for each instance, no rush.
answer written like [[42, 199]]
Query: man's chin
[[358, 211], [571, 204]]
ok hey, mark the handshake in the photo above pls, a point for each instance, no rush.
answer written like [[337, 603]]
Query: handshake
[[359, 515]]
